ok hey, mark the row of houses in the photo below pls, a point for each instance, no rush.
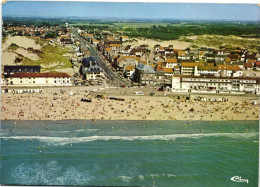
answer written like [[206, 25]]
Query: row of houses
[[209, 55], [34, 31]]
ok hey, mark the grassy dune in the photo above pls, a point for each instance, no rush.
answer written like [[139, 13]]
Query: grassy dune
[[51, 58], [217, 41]]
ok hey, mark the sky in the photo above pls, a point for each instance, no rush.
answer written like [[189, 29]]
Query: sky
[[237, 12]]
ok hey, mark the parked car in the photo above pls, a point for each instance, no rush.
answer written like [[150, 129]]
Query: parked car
[[152, 94], [160, 89], [139, 93]]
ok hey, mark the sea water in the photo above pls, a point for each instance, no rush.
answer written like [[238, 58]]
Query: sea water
[[129, 153]]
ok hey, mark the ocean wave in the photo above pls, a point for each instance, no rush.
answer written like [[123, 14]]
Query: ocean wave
[[60, 131], [49, 173], [86, 130], [3, 134], [126, 178], [71, 140]]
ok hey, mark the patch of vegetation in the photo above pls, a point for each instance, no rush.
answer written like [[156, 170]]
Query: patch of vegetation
[[174, 31], [4, 36], [49, 55], [41, 42], [186, 40], [231, 42], [194, 46], [18, 60], [51, 35], [12, 47]]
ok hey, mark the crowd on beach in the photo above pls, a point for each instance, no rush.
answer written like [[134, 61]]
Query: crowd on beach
[[58, 104]]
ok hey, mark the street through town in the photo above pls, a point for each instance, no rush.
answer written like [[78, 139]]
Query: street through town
[[113, 77]]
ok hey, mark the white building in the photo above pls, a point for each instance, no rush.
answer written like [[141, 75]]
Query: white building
[[94, 72], [171, 62], [230, 71], [39, 79], [207, 71], [216, 84]]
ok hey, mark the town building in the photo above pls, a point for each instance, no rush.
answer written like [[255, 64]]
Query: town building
[[171, 62], [39, 79], [94, 72], [144, 74], [90, 69], [189, 68], [129, 72], [215, 84]]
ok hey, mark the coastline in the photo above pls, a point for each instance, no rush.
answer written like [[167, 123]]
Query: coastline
[[57, 104]]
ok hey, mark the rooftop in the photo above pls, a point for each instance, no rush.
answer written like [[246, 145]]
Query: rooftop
[[171, 60], [34, 75], [145, 68], [168, 70]]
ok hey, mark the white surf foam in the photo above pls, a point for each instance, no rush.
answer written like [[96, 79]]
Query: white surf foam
[[50, 173], [86, 130], [125, 178], [71, 140]]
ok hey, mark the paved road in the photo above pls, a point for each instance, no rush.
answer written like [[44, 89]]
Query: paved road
[[115, 79]]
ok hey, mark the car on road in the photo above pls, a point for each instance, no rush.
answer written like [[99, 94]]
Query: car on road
[[152, 94]]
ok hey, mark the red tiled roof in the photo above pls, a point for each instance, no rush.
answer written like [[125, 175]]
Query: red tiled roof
[[21, 75], [251, 60], [159, 68], [257, 63], [248, 65]]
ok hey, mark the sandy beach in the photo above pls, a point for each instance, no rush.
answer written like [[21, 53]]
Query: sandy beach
[[58, 104]]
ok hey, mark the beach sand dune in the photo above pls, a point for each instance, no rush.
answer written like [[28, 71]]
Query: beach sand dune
[[27, 54], [8, 57], [21, 41], [151, 43]]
